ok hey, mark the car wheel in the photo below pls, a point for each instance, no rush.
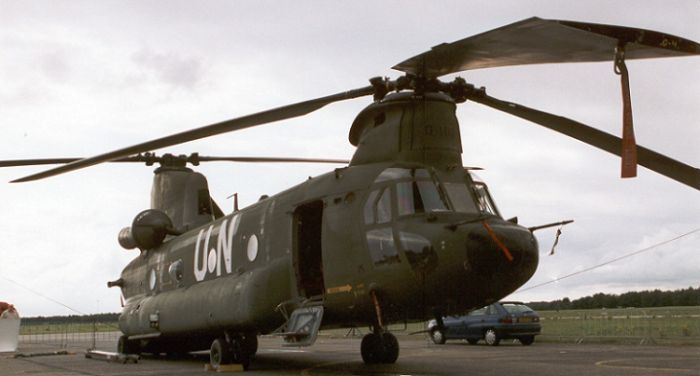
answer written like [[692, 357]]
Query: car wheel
[[438, 336], [491, 338], [472, 341], [527, 340]]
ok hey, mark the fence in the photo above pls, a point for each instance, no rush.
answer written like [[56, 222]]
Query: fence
[[673, 325], [63, 335]]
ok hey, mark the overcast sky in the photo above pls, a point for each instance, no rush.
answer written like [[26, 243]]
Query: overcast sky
[[79, 78]]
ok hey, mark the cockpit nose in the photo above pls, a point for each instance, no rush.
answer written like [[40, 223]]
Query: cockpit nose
[[503, 255]]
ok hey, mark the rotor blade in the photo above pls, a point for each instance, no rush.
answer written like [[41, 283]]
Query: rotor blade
[[650, 159], [272, 159], [45, 161], [268, 116], [35, 162], [538, 41], [155, 159]]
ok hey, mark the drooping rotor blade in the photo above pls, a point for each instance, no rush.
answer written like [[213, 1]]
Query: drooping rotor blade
[[259, 118], [47, 161], [35, 162], [650, 159], [538, 41], [272, 159], [155, 159]]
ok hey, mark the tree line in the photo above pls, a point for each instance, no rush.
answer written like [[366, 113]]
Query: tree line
[[639, 299], [72, 319]]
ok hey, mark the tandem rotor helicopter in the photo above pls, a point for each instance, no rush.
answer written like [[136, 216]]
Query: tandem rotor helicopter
[[372, 243]]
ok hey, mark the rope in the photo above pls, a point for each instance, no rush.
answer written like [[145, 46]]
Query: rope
[[611, 261]]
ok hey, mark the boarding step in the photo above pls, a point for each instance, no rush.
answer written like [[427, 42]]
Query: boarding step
[[302, 327]]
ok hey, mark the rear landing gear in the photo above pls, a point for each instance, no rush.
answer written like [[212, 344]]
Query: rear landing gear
[[126, 346], [229, 349], [379, 346]]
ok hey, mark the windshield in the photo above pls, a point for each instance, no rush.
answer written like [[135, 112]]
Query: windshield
[[419, 191], [420, 194]]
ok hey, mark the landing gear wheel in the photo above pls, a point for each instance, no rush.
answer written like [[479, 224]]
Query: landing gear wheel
[[379, 348], [472, 341], [238, 351], [391, 348], [526, 340], [371, 348], [438, 336], [124, 346], [219, 353], [491, 338]]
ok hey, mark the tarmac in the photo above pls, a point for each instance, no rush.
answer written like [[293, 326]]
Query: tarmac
[[341, 356]]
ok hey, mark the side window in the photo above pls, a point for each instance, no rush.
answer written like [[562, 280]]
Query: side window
[[478, 312]]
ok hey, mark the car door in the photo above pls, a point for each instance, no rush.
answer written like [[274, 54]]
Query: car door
[[474, 322]]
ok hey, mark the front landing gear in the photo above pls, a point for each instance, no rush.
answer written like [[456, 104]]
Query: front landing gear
[[232, 349], [379, 346]]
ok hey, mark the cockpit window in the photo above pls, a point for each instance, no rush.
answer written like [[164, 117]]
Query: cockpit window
[[418, 191], [460, 197], [393, 174], [378, 206], [384, 207], [419, 195], [483, 199]]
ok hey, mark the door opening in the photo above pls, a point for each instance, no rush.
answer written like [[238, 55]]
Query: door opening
[[308, 262]]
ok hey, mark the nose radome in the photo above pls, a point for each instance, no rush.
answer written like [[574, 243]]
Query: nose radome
[[503, 255]]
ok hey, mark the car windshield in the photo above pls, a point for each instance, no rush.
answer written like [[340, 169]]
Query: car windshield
[[516, 308]]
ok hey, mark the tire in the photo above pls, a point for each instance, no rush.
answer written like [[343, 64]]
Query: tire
[[372, 349], [491, 337], [219, 353], [526, 340], [239, 350], [391, 348], [472, 341], [438, 336]]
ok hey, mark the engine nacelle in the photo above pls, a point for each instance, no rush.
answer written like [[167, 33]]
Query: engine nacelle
[[147, 231]]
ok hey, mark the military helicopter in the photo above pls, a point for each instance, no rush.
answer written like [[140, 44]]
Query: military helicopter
[[371, 243]]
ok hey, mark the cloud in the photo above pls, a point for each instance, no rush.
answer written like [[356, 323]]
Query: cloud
[[170, 68]]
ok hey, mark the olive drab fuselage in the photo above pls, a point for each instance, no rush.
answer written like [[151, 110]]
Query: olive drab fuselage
[[404, 222]]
